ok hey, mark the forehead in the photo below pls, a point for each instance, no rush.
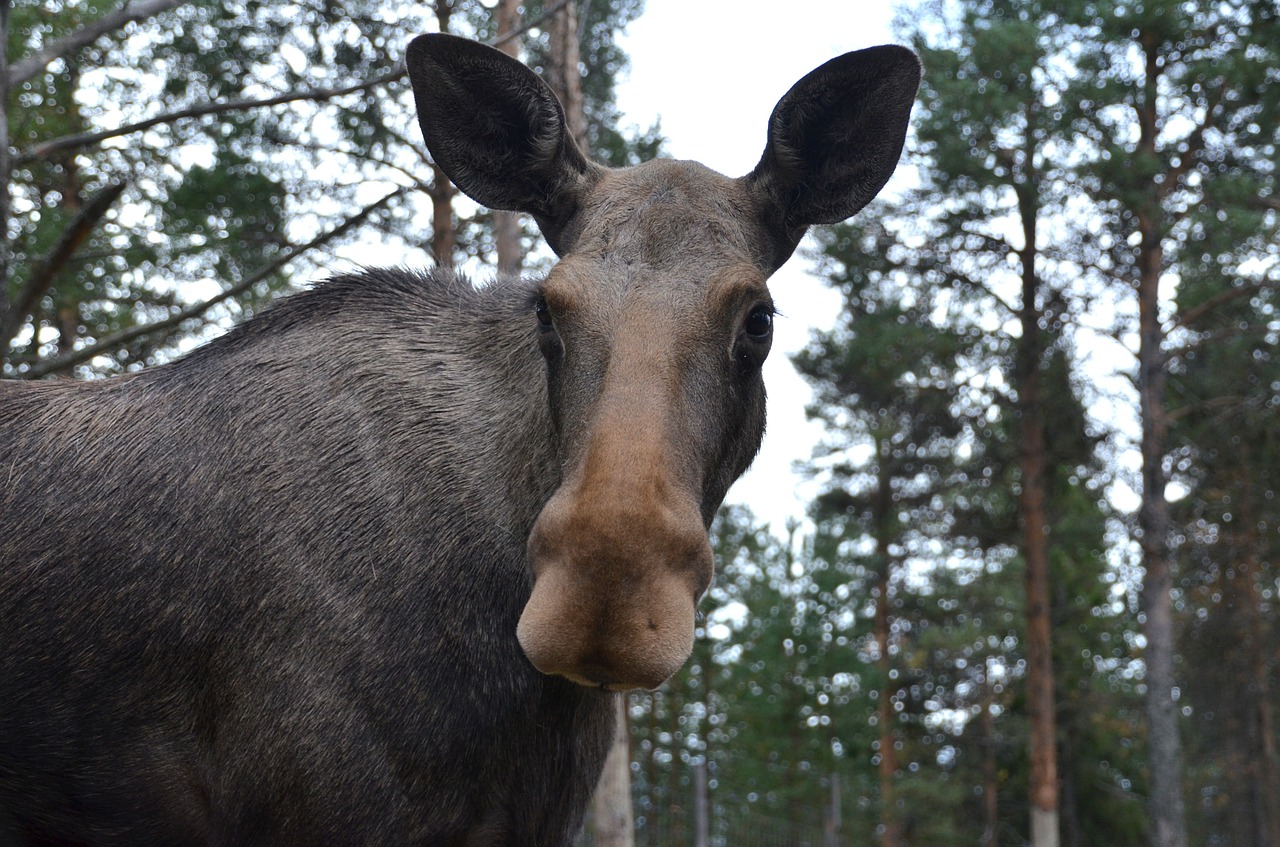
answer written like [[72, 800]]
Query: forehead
[[577, 284], [668, 214]]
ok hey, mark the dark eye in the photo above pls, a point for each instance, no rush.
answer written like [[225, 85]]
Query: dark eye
[[759, 323], [543, 312]]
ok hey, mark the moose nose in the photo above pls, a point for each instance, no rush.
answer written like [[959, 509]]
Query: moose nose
[[616, 587]]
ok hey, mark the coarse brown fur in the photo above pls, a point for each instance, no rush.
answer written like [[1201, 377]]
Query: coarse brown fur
[[334, 578]]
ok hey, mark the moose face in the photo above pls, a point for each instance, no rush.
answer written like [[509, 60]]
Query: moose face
[[653, 327]]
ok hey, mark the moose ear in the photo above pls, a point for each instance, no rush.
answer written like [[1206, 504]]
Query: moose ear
[[497, 131], [834, 141]]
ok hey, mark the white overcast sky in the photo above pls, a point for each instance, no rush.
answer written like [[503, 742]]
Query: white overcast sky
[[712, 71]]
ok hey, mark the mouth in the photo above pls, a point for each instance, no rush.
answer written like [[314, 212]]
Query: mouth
[[594, 677]]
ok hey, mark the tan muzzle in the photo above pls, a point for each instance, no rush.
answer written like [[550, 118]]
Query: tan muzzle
[[616, 586]]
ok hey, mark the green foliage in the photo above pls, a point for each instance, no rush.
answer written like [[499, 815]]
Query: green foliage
[[224, 194], [208, 198], [1225, 391]]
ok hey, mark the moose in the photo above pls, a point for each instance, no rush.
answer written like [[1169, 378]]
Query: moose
[[371, 567]]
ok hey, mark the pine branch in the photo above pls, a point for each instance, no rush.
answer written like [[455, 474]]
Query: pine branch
[[1225, 402], [311, 147], [20, 72], [1192, 315], [48, 268], [317, 95], [1269, 203], [111, 342], [974, 285], [1195, 144], [314, 95]]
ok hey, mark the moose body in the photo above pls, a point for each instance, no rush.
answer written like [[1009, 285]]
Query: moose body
[[197, 642], [366, 569]]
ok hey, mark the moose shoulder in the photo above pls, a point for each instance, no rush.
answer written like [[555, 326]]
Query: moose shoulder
[[366, 569]]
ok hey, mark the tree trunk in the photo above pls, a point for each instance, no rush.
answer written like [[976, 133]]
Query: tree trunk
[[890, 823], [701, 804], [444, 237], [674, 812], [1252, 778], [506, 225], [1262, 706], [832, 821], [7, 321], [990, 768], [563, 74], [1032, 467], [1168, 816], [614, 824]]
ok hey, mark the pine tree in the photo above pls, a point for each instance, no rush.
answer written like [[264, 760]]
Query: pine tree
[[1224, 386], [175, 166], [886, 387], [1181, 118]]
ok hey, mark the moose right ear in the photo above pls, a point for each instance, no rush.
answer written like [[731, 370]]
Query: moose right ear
[[498, 131], [834, 141]]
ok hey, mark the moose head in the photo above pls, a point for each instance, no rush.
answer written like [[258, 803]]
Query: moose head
[[653, 326]]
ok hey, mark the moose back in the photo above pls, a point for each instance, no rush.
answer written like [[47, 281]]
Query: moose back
[[369, 568]]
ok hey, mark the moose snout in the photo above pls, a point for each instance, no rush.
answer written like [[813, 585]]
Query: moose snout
[[616, 587]]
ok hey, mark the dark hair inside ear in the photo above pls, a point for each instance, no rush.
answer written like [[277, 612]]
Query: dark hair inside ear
[[496, 130], [834, 140]]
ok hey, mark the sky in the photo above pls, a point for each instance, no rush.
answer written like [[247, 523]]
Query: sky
[[711, 72]]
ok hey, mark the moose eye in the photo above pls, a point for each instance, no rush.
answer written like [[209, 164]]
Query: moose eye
[[543, 313], [759, 323]]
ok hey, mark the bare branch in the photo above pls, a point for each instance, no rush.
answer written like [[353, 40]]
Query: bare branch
[[314, 147], [1195, 142], [5, 166], [84, 354], [48, 268], [20, 72], [1270, 202], [1191, 316], [546, 15], [1210, 339], [72, 142], [974, 285], [315, 95], [1228, 401]]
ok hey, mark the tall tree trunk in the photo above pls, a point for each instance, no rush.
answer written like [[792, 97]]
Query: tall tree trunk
[[1252, 777], [563, 74], [890, 822], [7, 320], [990, 769], [832, 821], [444, 236], [706, 664], [1263, 705], [1167, 810], [506, 225], [651, 776], [675, 814], [701, 805], [1032, 467], [885, 717], [614, 824]]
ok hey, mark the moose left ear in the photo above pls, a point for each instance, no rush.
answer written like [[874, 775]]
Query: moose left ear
[[834, 141]]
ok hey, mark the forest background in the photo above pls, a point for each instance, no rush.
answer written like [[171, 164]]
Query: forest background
[[1033, 596]]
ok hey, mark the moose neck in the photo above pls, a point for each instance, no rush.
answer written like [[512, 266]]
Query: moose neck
[[474, 388]]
